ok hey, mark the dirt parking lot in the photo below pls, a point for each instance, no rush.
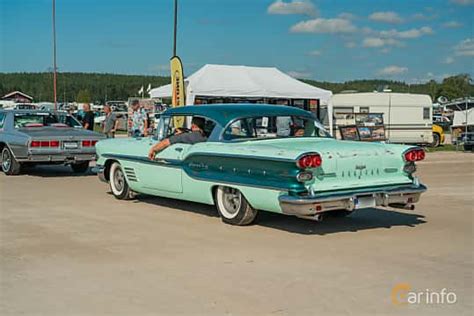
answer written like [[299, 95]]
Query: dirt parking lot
[[68, 247]]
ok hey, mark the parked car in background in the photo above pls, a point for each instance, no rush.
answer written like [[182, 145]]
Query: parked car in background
[[250, 163], [442, 121], [31, 137], [438, 135], [26, 106]]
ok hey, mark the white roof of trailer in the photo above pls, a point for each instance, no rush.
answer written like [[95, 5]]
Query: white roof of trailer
[[380, 99], [244, 81]]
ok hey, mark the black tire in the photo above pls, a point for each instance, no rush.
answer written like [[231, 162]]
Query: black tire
[[118, 183], [80, 167], [468, 147], [436, 140], [10, 166], [233, 208]]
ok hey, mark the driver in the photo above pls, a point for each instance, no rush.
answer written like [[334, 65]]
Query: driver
[[196, 135]]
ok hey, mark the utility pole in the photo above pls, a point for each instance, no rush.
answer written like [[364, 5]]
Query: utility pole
[[54, 57], [175, 26]]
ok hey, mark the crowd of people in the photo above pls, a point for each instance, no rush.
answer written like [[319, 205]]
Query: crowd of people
[[138, 122]]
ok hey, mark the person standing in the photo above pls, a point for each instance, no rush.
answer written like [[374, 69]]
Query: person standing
[[110, 124], [139, 121], [88, 119]]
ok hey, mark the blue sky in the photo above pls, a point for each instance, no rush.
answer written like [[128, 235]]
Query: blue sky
[[328, 40]]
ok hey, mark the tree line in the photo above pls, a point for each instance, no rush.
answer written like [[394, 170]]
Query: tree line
[[100, 87]]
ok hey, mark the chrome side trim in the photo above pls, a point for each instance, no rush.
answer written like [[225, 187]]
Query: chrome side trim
[[173, 163]]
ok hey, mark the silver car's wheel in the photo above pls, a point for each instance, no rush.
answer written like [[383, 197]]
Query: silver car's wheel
[[9, 164], [118, 183], [233, 207]]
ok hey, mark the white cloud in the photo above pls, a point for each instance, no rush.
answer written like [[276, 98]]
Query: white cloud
[[299, 74], [350, 44], [462, 2], [423, 17], [448, 60], [412, 33], [373, 42], [324, 26], [392, 70], [314, 53], [380, 42], [347, 16], [304, 7], [465, 48], [452, 24], [386, 17]]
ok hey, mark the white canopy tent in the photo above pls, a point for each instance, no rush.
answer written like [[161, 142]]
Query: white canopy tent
[[246, 82]]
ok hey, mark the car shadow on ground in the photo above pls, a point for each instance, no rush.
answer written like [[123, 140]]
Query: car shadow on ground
[[53, 171], [364, 219]]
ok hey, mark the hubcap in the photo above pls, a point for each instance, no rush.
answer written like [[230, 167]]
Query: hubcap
[[6, 160], [232, 199], [119, 179]]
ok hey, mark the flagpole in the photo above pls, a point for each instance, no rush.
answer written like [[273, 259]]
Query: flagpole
[[175, 25], [54, 57]]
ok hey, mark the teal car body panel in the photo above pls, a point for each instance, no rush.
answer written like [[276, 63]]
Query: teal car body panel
[[263, 170]]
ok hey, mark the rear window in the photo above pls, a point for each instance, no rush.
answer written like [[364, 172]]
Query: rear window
[[264, 127], [23, 120]]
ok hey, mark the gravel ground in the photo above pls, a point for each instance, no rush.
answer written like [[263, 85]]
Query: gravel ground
[[69, 248]]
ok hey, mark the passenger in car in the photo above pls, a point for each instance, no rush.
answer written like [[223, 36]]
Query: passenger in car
[[195, 135]]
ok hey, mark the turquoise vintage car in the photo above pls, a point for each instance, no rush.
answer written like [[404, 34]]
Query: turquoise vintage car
[[262, 158]]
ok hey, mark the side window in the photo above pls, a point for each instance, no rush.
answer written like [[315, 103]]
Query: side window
[[426, 113], [173, 125], [2, 120]]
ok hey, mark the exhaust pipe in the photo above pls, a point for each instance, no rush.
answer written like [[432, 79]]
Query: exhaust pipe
[[316, 217]]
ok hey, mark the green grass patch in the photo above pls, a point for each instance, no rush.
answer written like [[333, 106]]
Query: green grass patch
[[444, 147]]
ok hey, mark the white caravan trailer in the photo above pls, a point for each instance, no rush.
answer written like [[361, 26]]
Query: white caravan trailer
[[407, 117]]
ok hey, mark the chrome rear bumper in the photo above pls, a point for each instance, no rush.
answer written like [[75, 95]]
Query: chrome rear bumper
[[62, 157], [401, 196]]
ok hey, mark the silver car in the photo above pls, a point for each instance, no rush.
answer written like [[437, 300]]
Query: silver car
[[30, 137]]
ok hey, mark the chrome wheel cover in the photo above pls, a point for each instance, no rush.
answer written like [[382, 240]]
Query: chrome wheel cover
[[119, 179], [231, 201], [6, 160]]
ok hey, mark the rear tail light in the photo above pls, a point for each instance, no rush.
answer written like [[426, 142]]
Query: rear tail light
[[413, 155], [312, 160], [54, 143], [89, 143], [44, 143]]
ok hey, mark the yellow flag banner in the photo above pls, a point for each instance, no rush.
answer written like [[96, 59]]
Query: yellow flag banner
[[177, 84]]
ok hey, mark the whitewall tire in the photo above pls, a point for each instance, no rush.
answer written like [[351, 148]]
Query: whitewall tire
[[118, 183], [233, 207]]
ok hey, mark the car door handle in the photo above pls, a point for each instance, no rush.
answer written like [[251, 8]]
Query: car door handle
[[179, 149]]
